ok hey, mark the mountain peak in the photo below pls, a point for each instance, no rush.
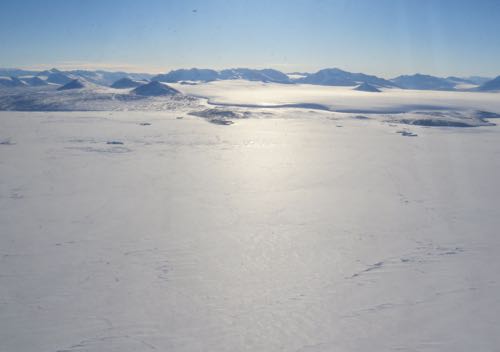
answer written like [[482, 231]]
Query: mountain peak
[[493, 85], [154, 88], [366, 87], [74, 84], [425, 82], [338, 77], [125, 82]]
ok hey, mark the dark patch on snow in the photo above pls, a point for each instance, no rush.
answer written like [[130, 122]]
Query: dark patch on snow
[[218, 113], [407, 133], [307, 106], [112, 149], [436, 123], [222, 122], [452, 118], [370, 268], [220, 116], [487, 115], [400, 109], [312, 106], [6, 141]]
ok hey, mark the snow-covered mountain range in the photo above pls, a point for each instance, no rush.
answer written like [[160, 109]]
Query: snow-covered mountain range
[[416, 99], [15, 78]]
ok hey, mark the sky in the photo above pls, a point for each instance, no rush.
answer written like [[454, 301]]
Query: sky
[[382, 37]]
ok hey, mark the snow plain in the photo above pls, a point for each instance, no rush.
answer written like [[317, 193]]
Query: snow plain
[[341, 99], [294, 229]]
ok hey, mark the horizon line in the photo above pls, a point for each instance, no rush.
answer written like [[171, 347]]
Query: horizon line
[[134, 69]]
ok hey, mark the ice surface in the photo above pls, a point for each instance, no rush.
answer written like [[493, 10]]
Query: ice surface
[[431, 108], [428, 108], [340, 98], [281, 232]]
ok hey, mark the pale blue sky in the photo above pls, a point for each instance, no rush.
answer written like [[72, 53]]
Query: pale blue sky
[[383, 37]]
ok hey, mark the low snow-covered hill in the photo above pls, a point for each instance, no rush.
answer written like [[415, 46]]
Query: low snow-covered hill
[[423, 82], [74, 84], [126, 82], [493, 85], [366, 87], [338, 77], [207, 75], [154, 89]]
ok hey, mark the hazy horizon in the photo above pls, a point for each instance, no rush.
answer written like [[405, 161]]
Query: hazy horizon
[[133, 70]]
